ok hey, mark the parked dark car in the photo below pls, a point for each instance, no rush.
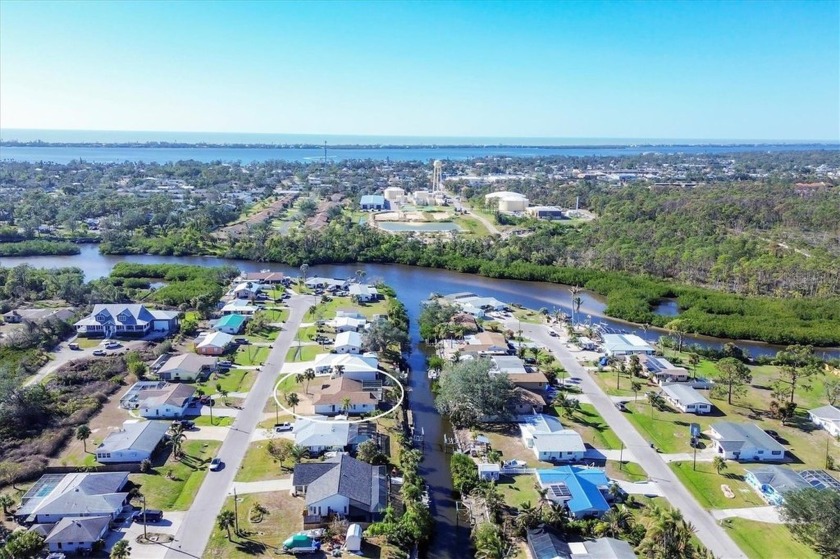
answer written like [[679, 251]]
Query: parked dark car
[[150, 516], [185, 423], [621, 406], [243, 341], [772, 433]]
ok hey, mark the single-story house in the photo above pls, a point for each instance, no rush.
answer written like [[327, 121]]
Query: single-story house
[[187, 367], [319, 434], [545, 543], [662, 370], [487, 343], [270, 278], [246, 290], [356, 367], [685, 398], [349, 313], [535, 381], [489, 472], [625, 344], [325, 283], [373, 202], [74, 534], [348, 324], [364, 293], [772, 482], [230, 323], [135, 442], [55, 496], [745, 442], [508, 364], [239, 306], [348, 342], [214, 343], [827, 417], [526, 402], [466, 321], [120, 319], [549, 440], [584, 491], [336, 393], [12, 317], [158, 399], [342, 485]]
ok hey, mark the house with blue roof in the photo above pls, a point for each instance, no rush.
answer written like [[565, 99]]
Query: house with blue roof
[[230, 323], [584, 491]]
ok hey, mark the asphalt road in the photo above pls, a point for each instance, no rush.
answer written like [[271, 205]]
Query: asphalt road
[[200, 520], [709, 532]]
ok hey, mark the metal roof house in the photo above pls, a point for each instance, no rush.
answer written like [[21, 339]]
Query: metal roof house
[[372, 202], [56, 496], [356, 367], [342, 485], [685, 398], [625, 344], [186, 367], [363, 292], [135, 442], [546, 543], [318, 434], [771, 482], [348, 342], [549, 440], [230, 323], [827, 417], [745, 442], [214, 343], [584, 491]]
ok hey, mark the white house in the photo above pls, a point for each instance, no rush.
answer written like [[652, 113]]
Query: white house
[[246, 290], [625, 344], [489, 472], [77, 534], [364, 293], [827, 417], [745, 442], [685, 398], [662, 370], [549, 440], [135, 442], [121, 319], [348, 324], [356, 367], [487, 343], [214, 343], [240, 306], [325, 283], [338, 393], [342, 485], [158, 399], [55, 496], [318, 434], [348, 342]]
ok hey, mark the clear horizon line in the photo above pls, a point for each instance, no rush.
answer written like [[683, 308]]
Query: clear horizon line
[[441, 136]]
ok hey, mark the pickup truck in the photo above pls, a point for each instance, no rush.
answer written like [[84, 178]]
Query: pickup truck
[[278, 427]]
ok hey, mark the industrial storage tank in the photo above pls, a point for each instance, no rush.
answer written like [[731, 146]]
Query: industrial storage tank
[[508, 201], [394, 194]]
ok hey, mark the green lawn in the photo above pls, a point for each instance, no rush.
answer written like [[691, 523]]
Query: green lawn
[[592, 427], [233, 380], [276, 315], [628, 471], [177, 491], [518, 489], [326, 311], [607, 381], [251, 355], [258, 465], [87, 343], [204, 421], [705, 484], [263, 337], [668, 430], [760, 540], [304, 353]]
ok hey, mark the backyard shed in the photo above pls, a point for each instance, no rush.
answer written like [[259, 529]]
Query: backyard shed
[[353, 542]]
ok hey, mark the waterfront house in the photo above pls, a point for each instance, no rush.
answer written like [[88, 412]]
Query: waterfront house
[[363, 293], [247, 290], [584, 491], [187, 367], [348, 342], [342, 485], [319, 434], [239, 306], [214, 343], [662, 370], [77, 534], [335, 394], [331, 284], [685, 398], [126, 320], [489, 472], [546, 543], [269, 278], [230, 323], [625, 344], [827, 417], [526, 402], [745, 442], [508, 364], [487, 343], [12, 317], [549, 440], [771, 482], [348, 324], [56, 496], [356, 367], [135, 442]]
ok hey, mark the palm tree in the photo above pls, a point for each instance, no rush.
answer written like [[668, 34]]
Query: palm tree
[[577, 302], [527, 517], [308, 375], [719, 464], [224, 394], [694, 360], [121, 550], [339, 370], [177, 440], [299, 378], [345, 405], [82, 434], [574, 290], [298, 453], [303, 269], [6, 501], [489, 543], [312, 310], [293, 400], [226, 520], [618, 519], [667, 535], [635, 386]]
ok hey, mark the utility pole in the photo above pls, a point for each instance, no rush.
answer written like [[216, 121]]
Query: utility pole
[[235, 510], [325, 156], [621, 457], [145, 536], [695, 456], [276, 412]]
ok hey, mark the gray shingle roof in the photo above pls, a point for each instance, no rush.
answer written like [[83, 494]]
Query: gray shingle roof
[[74, 494], [364, 485], [141, 436], [78, 529], [735, 435]]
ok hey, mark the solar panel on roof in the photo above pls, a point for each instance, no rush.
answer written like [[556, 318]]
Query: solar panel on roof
[[560, 490]]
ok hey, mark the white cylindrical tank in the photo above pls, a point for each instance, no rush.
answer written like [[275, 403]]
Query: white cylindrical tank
[[513, 204], [394, 194]]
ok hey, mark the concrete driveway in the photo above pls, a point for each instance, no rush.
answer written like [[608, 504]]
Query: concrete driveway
[[170, 524], [713, 536], [759, 514]]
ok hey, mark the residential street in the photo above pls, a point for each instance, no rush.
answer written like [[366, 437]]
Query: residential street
[[200, 520], [709, 532]]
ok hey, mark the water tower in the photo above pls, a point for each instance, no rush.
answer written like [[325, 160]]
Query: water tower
[[437, 180]]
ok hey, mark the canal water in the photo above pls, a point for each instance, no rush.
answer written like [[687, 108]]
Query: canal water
[[413, 286]]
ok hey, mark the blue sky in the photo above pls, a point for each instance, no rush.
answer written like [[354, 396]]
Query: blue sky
[[703, 70]]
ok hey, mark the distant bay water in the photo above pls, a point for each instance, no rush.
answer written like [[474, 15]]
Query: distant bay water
[[380, 148]]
